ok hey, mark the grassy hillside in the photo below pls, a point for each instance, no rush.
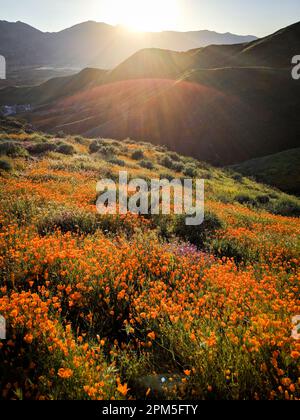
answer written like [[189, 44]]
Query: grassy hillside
[[223, 116], [105, 306], [280, 170]]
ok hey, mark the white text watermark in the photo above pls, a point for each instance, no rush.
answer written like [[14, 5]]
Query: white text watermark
[[2, 328], [2, 68], [296, 68], [155, 197]]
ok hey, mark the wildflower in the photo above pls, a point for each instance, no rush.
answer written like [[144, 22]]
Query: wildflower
[[28, 338], [152, 335], [65, 373], [123, 389]]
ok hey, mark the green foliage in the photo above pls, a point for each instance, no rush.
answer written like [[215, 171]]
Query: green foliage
[[41, 148], [94, 146], [198, 235], [147, 164], [12, 149], [286, 206], [190, 171], [167, 162], [65, 149], [174, 156], [5, 165], [137, 155], [116, 161], [72, 220]]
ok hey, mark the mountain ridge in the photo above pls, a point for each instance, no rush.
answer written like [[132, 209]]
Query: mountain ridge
[[93, 44]]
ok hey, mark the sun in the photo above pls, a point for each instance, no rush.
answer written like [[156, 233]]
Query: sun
[[143, 15]]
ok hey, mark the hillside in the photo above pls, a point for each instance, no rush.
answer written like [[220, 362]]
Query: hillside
[[53, 89], [118, 304], [280, 170], [195, 102], [222, 116]]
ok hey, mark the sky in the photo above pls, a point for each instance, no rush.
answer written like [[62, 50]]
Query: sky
[[255, 17]]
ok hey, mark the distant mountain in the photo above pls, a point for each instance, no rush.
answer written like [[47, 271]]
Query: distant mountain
[[213, 103], [280, 170], [94, 44]]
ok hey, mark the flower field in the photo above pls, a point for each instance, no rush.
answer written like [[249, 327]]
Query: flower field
[[97, 307]]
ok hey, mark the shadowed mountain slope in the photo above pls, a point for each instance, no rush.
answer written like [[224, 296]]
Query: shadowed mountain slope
[[280, 170]]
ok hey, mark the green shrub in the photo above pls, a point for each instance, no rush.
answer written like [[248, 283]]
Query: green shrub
[[65, 149], [174, 156], [286, 207], [245, 199], [116, 161], [95, 145], [12, 149], [137, 155], [107, 150], [167, 176], [198, 235], [68, 221], [190, 171], [147, 164], [263, 199], [167, 162], [40, 148], [5, 165]]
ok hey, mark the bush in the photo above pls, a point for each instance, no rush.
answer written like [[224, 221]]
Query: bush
[[198, 235], [12, 149], [263, 199], [286, 207], [65, 149], [68, 221], [81, 140], [178, 167], [175, 156], [147, 164], [5, 165], [169, 177], [116, 161], [167, 162], [171, 164], [137, 155], [107, 150], [190, 171], [237, 177], [40, 148], [245, 199], [94, 146]]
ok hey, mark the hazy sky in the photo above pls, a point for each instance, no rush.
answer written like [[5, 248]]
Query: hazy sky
[[257, 17]]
